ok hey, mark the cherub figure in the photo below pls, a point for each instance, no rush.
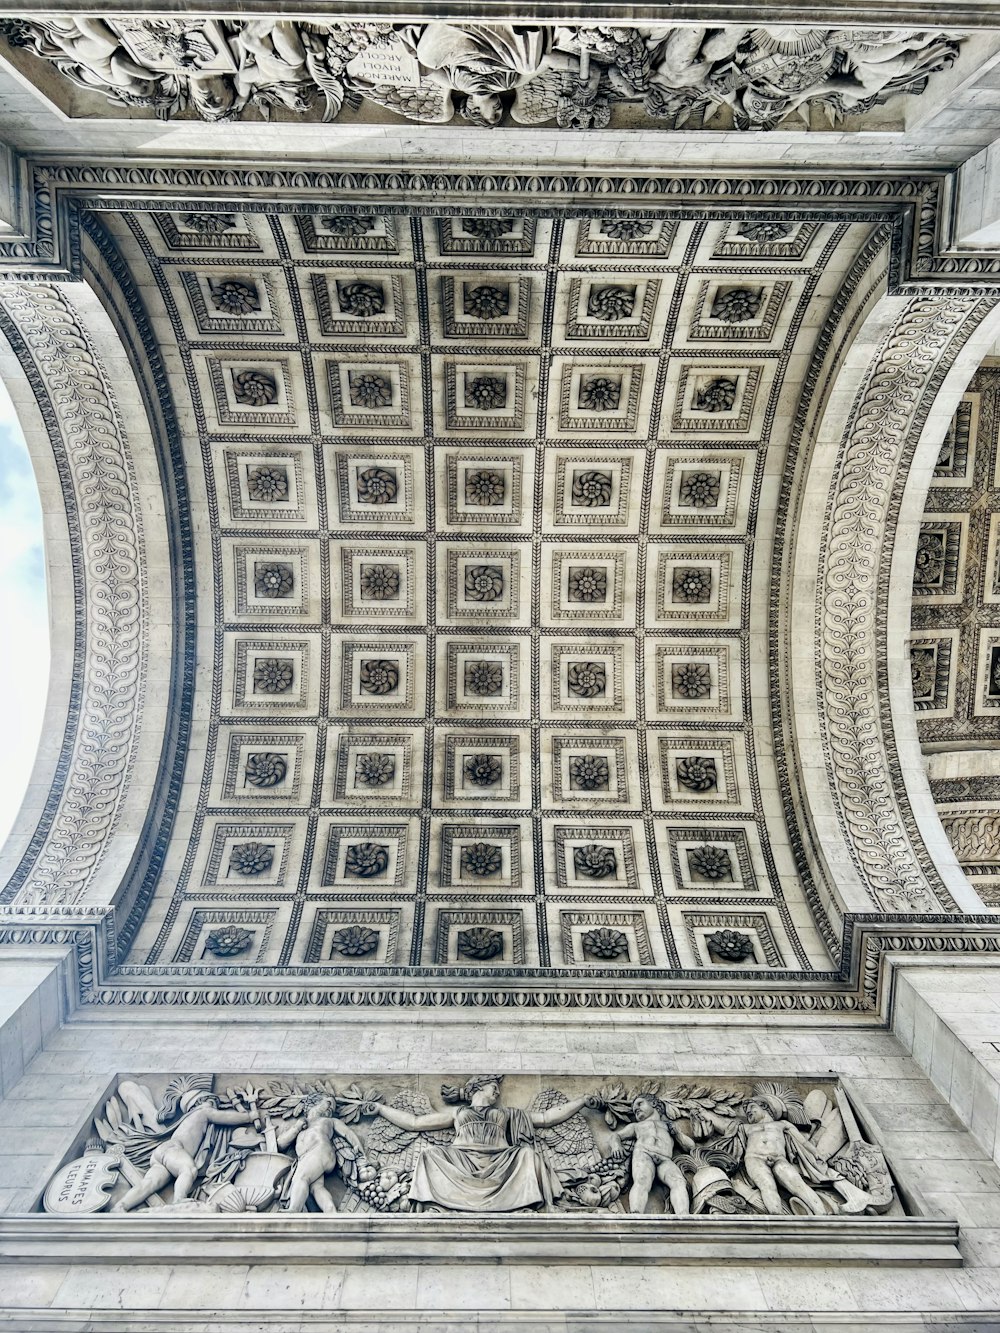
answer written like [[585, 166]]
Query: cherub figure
[[653, 1136], [776, 1152], [316, 1153], [175, 1159]]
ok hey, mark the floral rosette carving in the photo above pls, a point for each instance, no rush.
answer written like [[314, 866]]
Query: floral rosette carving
[[266, 770], [374, 769], [487, 302], [485, 487], [354, 941], [587, 680], [481, 859], [272, 675], [251, 858], [625, 229], [589, 772], [380, 583], [254, 388], [697, 773], [484, 583], [600, 393], [273, 579], [233, 297], [593, 489], [595, 860], [691, 680], [483, 770], [718, 395], [229, 941], [377, 486], [268, 485], [365, 860], [611, 303], [378, 676], [487, 229], [483, 678], [605, 944], [587, 583], [730, 945], [347, 225], [486, 392], [364, 300], [370, 390], [710, 862], [480, 942]]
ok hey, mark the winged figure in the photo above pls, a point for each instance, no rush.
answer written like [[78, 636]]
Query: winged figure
[[493, 1162]]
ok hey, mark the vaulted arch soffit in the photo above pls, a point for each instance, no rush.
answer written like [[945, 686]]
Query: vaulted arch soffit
[[528, 590]]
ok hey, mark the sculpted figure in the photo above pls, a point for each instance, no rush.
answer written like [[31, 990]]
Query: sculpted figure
[[493, 1164], [776, 1152], [316, 1153], [653, 1136], [175, 1159], [473, 70], [881, 59], [90, 54], [140, 1106], [275, 62]]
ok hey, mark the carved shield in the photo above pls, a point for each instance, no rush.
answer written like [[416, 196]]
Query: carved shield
[[83, 1185]]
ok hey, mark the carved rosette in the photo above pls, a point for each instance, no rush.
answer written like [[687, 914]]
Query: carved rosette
[[883, 429], [82, 416]]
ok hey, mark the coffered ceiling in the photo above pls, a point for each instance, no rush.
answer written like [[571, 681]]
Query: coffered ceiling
[[484, 513]]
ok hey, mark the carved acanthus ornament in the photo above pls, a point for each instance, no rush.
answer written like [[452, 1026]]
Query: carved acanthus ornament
[[573, 77], [888, 415], [78, 404]]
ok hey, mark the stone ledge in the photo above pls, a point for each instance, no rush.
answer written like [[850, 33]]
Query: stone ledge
[[110, 1239]]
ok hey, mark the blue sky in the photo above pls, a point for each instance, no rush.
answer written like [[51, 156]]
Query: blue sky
[[24, 663]]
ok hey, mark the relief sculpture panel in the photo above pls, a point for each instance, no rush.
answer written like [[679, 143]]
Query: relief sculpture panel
[[485, 1144], [742, 77]]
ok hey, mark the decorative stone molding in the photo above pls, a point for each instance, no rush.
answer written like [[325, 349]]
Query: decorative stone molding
[[314, 1239], [85, 425], [889, 412], [918, 207], [861, 987]]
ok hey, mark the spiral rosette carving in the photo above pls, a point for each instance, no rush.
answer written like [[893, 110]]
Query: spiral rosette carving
[[89, 425]]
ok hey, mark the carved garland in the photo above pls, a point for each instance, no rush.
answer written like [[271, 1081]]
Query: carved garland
[[884, 425], [85, 424]]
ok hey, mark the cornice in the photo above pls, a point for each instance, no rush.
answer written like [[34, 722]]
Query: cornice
[[918, 207], [861, 988]]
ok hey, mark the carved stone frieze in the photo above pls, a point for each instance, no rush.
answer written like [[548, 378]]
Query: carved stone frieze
[[79, 406], [198, 1144], [749, 78]]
